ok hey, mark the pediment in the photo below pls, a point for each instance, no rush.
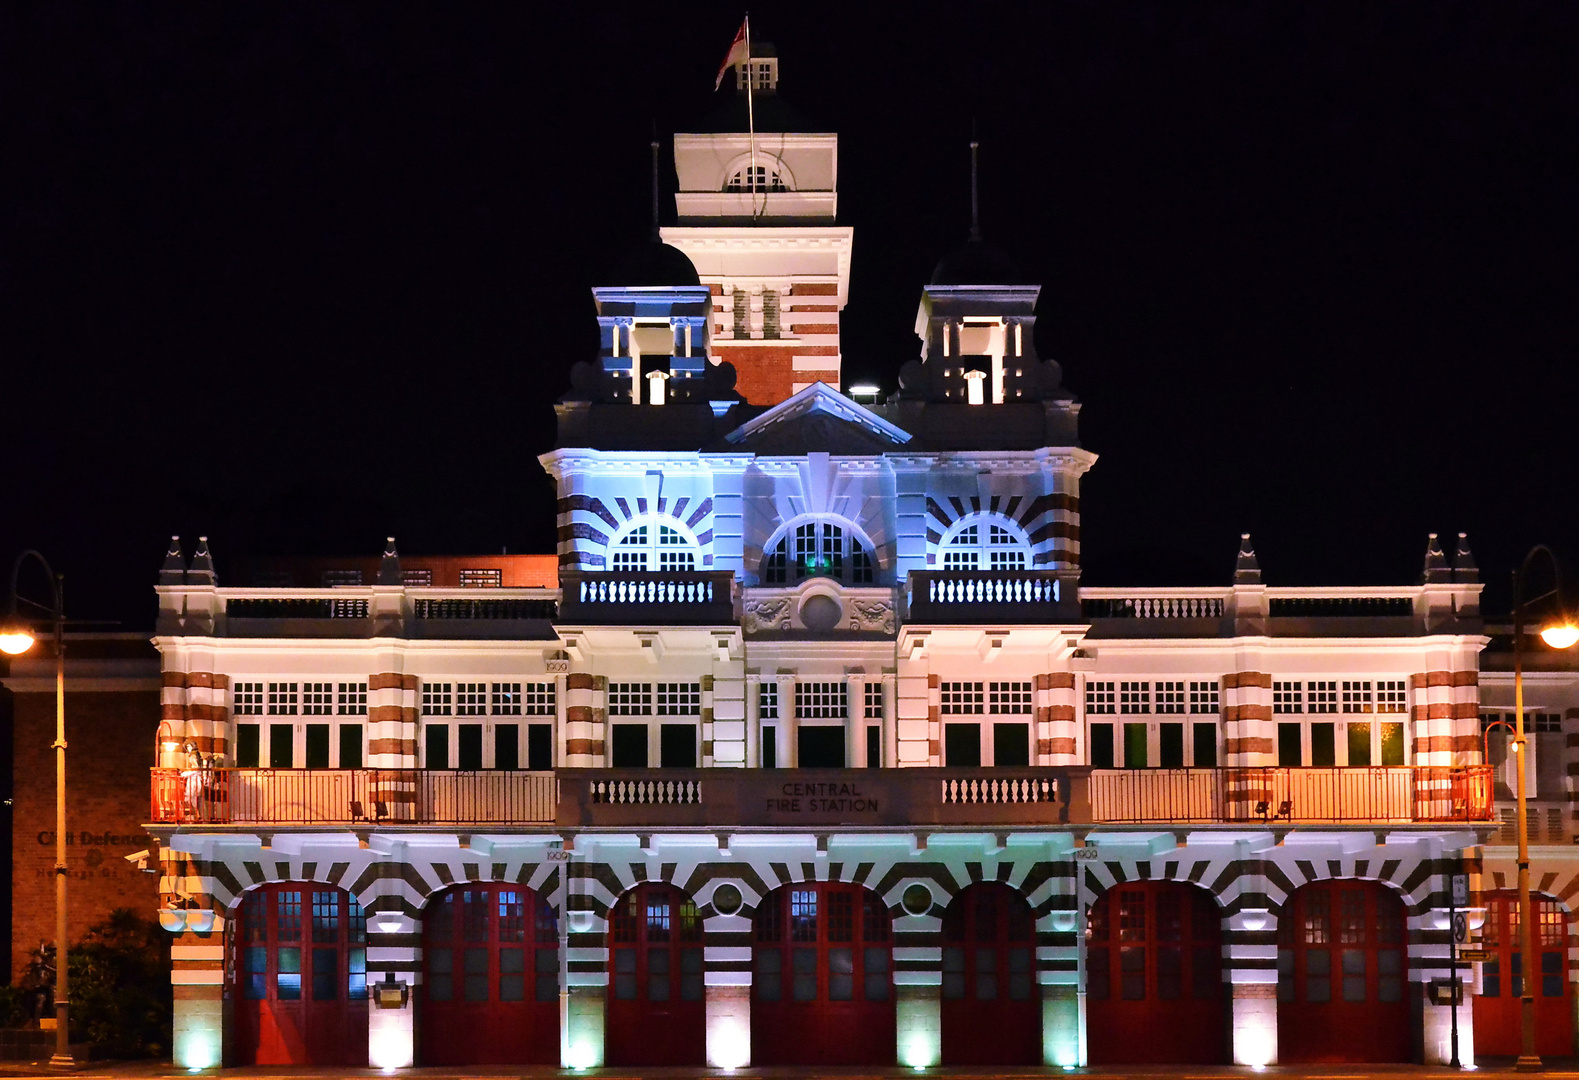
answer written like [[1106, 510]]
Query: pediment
[[818, 419]]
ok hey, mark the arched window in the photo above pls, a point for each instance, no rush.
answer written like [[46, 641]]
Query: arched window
[[756, 178], [986, 542], [818, 549], [654, 544]]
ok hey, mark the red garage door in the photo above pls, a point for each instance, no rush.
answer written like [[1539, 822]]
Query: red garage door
[[490, 985], [1154, 976], [1497, 1008], [822, 989], [657, 1012], [1342, 975], [300, 971], [992, 1012]]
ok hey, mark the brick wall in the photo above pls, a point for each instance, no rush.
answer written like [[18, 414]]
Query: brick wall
[[110, 736], [763, 373]]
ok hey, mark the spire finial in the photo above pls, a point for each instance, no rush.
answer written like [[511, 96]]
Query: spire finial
[[1436, 567], [975, 226], [655, 235], [1247, 570]]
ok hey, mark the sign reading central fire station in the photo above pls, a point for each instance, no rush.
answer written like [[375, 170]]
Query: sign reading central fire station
[[840, 801]]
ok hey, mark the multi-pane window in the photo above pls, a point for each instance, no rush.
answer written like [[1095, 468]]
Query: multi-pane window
[[630, 699], [317, 699], [755, 177], [986, 545], [654, 546], [1170, 697], [351, 699], [818, 549], [471, 699], [963, 698], [1204, 698], [822, 700], [1288, 697], [283, 698], [874, 701], [679, 699], [416, 579], [1358, 697], [505, 699], [438, 699], [1134, 697], [481, 577], [1100, 697], [1321, 696], [1391, 697], [768, 701], [539, 699], [247, 699], [334, 578], [1534, 723], [1009, 698]]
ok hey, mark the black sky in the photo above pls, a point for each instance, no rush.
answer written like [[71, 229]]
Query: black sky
[[302, 275]]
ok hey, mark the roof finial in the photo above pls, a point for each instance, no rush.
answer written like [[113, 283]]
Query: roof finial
[[173, 572], [1464, 569], [1247, 570], [1436, 568], [655, 235], [975, 226], [389, 564]]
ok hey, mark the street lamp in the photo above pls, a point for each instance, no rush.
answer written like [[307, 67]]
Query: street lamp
[[1560, 634], [16, 638]]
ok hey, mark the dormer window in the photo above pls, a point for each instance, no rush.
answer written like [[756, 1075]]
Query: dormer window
[[758, 73], [756, 178]]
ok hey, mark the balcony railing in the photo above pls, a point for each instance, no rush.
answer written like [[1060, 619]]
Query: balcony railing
[[1314, 795], [983, 596], [351, 797], [660, 598]]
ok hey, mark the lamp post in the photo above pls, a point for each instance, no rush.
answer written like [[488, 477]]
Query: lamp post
[[1561, 634], [16, 637]]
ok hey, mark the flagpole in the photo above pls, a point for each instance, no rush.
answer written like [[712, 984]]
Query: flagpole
[[751, 117]]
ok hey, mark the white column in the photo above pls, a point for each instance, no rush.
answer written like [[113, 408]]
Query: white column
[[855, 722]]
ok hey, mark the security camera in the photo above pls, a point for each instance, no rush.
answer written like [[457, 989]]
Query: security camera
[[140, 858]]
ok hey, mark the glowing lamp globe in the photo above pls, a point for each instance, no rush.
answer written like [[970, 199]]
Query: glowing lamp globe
[[15, 638], [1562, 636]]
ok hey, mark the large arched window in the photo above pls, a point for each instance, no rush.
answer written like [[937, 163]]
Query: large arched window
[[818, 549], [985, 542], [654, 544]]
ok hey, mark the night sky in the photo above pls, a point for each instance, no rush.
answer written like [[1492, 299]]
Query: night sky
[[299, 276]]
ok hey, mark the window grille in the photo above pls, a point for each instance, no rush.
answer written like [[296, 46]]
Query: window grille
[[818, 549], [1321, 696], [1358, 697], [1100, 698], [317, 699], [471, 699], [630, 699], [283, 698], [756, 178], [1204, 698], [437, 699], [742, 312], [481, 578], [505, 699], [1170, 697], [1134, 697], [351, 699], [1009, 698], [962, 698], [333, 578], [1288, 697], [247, 699], [679, 699], [822, 700], [416, 579], [1006, 548], [770, 313], [874, 701], [1391, 697], [768, 701], [539, 699], [655, 546]]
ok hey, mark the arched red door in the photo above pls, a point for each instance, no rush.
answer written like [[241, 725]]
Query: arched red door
[[822, 988], [490, 982], [1342, 983], [300, 977], [657, 1012], [1497, 1006], [1154, 976], [992, 1012]]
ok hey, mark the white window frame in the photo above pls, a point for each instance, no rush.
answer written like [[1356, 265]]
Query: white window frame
[[974, 543], [853, 546], [644, 540]]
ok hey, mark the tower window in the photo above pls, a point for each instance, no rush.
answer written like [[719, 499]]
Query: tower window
[[756, 178], [818, 549]]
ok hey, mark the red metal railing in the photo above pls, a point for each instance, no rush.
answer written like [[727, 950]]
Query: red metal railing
[[1314, 795], [351, 796]]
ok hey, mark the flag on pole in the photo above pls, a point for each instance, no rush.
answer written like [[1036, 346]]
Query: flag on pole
[[739, 52]]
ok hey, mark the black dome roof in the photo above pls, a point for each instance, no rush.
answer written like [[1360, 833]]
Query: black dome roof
[[653, 264], [977, 262]]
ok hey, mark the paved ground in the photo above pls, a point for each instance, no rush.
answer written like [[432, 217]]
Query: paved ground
[[1561, 1069]]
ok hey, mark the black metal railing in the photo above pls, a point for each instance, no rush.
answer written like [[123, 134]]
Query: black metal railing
[[295, 608]]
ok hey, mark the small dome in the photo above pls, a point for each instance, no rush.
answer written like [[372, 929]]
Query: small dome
[[977, 263], [653, 264]]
